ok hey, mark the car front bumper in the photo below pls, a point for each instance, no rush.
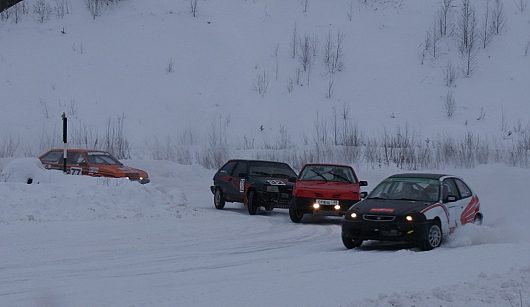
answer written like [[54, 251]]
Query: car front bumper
[[384, 231], [305, 205]]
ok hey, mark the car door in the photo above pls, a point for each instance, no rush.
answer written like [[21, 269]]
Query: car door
[[237, 184], [468, 203], [223, 179], [453, 201]]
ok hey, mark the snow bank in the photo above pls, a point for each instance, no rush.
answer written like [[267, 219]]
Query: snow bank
[[54, 196], [487, 290]]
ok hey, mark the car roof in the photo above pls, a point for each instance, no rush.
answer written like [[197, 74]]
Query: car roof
[[420, 175], [248, 160], [78, 150], [326, 164]]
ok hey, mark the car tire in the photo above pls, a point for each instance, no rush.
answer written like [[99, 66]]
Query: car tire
[[218, 199], [433, 236], [477, 220], [295, 214], [350, 243], [251, 203]]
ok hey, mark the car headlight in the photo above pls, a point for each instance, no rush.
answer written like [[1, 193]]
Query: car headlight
[[409, 218], [353, 215], [273, 189]]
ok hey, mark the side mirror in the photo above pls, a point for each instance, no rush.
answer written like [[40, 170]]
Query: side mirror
[[363, 183], [292, 179], [364, 194], [450, 199], [243, 175]]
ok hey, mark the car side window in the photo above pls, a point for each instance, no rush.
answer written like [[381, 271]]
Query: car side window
[[465, 192], [72, 158], [52, 157], [241, 167], [449, 189], [227, 168]]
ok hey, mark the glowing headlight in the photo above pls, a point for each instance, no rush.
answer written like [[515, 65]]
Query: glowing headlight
[[128, 178], [273, 189], [141, 178], [408, 218], [353, 215], [316, 206], [337, 207]]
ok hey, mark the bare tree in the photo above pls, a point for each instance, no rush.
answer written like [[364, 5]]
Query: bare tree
[[261, 83], [449, 105], [305, 4], [333, 52], [305, 57], [331, 88], [434, 37], [42, 10], [193, 8], [294, 42], [521, 5], [497, 17], [446, 6], [276, 69], [464, 25], [349, 11], [449, 74], [486, 31], [94, 7], [314, 44]]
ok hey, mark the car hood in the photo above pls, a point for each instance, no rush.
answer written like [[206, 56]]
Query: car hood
[[118, 170], [337, 187], [390, 207]]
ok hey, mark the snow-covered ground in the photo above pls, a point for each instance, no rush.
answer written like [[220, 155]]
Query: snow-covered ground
[[164, 244]]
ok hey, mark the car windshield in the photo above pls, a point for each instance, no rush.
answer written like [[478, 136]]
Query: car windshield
[[271, 169], [396, 188], [328, 173], [97, 157]]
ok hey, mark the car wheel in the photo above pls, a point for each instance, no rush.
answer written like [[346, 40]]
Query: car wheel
[[251, 204], [295, 215], [433, 237], [218, 199], [477, 220], [350, 243]]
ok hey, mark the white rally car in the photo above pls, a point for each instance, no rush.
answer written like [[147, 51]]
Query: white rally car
[[421, 208]]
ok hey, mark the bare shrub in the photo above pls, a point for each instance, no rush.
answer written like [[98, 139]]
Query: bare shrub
[[294, 43], [261, 83], [527, 48], [114, 139], [330, 88], [304, 57], [193, 8], [333, 52], [498, 18], [9, 146], [521, 5], [61, 8], [305, 5], [449, 72], [42, 10], [349, 10], [94, 7], [170, 66], [449, 105], [482, 114]]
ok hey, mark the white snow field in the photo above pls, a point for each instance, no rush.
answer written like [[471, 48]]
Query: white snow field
[[76, 241]]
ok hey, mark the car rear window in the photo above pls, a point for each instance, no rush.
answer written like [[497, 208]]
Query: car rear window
[[52, 157]]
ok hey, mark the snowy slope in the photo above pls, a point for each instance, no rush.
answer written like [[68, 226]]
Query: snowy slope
[[117, 65]]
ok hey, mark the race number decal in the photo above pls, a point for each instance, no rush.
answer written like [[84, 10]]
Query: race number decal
[[275, 182], [242, 185], [75, 170]]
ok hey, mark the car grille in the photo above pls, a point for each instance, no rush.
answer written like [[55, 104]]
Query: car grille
[[379, 218]]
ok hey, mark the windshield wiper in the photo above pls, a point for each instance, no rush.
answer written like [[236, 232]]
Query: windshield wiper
[[341, 177], [319, 174], [261, 173]]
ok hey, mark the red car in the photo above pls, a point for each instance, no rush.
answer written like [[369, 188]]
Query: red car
[[325, 189], [95, 163]]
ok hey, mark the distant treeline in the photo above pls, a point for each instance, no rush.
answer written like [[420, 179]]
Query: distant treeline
[[5, 4]]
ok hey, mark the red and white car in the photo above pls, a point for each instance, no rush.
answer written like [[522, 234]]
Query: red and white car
[[324, 189], [421, 208]]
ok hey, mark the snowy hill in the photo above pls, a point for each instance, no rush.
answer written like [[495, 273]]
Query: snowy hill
[[181, 85]]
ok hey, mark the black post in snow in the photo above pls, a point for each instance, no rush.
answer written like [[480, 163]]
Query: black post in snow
[[65, 129]]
